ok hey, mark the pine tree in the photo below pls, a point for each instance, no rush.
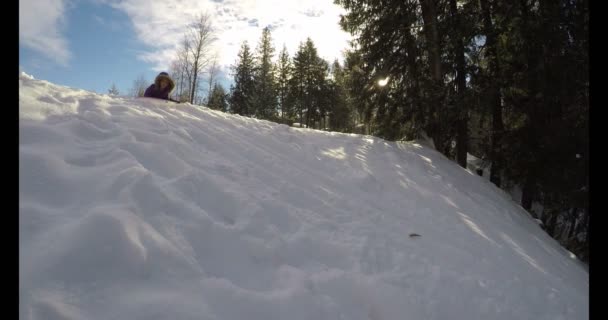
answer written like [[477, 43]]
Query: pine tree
[[506, 80], [297, 90], [242, 92], [218, 98], [308, 85], [340, 117], [113, 91], [284, 75], [265, 96], [356, 86], [212, 75], [396, 49]]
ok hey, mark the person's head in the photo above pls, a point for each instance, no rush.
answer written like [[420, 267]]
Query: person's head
[[164, 82]]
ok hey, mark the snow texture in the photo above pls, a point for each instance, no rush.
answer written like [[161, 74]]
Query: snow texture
[[143, 209]]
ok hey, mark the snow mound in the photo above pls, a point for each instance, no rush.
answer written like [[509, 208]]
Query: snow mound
[[146, 209]]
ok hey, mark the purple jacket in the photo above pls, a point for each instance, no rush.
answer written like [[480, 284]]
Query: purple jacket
[[154, 92]]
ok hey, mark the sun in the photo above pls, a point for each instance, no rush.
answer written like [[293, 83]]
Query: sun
[[383, 82]]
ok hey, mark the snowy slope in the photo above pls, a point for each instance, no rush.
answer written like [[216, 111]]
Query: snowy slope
[[143, 209]]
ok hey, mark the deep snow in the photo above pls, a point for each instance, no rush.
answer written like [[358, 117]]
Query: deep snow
[[144, 209]]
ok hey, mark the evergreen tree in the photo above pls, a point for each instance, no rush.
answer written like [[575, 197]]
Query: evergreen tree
[[218, 98], [504, 80], [283, 78], [297, 91], [265, 96], [340, 118], [307, 85], [242, 92], [113, 91]]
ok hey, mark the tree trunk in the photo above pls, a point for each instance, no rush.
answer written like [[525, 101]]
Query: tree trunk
[[194, 76], [282, 106], [573, 218], [462, 111], [180, 88], [527, 196], [496, 153], [212, 72], [414, 88], [429, 16], [587, 227], [527, 193], [550, 223]]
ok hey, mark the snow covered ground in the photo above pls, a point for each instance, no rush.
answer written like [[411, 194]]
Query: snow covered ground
[[143, 209]]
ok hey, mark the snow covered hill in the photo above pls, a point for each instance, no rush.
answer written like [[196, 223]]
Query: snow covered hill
[[144, 209]]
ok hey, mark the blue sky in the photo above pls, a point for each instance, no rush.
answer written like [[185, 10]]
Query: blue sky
[[90, 44], [103, 49]]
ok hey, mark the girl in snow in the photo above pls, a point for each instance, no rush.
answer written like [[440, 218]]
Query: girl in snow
[[163, 85]]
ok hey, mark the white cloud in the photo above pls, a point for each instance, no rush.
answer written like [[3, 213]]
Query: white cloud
[[291, 20], [40, 28], [161, 24]]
